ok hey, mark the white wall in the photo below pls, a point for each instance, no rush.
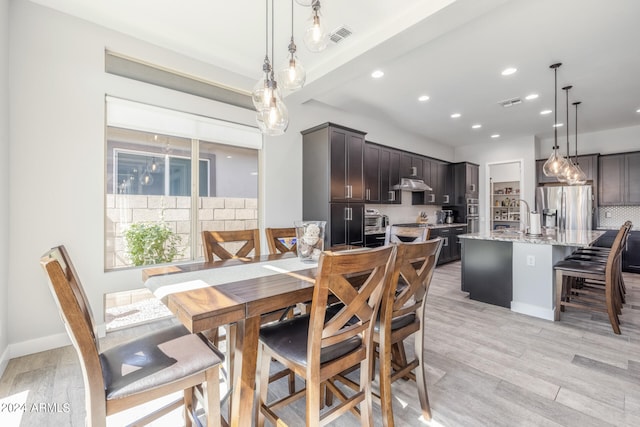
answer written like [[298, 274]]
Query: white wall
[[604, 142], [57, 142], [4, 178], [520, 149]]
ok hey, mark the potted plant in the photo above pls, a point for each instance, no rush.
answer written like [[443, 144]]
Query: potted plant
[[151, 243]]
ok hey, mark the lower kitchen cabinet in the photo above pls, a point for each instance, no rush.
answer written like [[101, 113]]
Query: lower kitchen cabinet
[[346, 224], [451, 244]]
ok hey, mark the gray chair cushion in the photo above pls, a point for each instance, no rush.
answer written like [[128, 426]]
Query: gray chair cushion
[[289, 338], [154, 360], [580, 266], [398, 322]]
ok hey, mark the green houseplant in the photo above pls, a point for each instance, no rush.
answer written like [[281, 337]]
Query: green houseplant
[[151, 243]]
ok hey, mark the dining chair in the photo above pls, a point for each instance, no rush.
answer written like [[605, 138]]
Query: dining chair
[[213, 242], [402, 314], [274, 236], [320, 345], [138, 371], [399, 234], [593, 284]]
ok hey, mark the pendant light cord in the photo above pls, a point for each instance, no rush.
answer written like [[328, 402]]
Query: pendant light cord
[[566, 89], [555, 110], [272, 31]]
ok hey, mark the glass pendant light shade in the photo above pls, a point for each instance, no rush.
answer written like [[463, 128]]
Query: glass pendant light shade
[[315, 37], [554, 164], [146, 178], [292, 74], [579, 177], [262, 93], [273, 120]]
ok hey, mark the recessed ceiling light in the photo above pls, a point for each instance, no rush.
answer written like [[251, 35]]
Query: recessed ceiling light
[[531, 96], [377, 74], [545, 112], [228, 157], [254, 173], [509, 71], [495, 135], [638, 110], [423, 98], [476, 126], [455, 115], [558, 125]]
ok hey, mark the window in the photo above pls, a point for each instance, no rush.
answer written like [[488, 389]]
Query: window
[[170, 175]]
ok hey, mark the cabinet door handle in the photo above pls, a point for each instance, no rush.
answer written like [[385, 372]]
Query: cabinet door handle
[[392, 196], [446, 198], [351, 191], [446, 242], [349, 214], [473, 187], [432, 198], [368, 192]]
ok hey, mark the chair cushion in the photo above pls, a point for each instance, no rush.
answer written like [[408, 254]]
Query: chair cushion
[[580, 266], [289, 338], [155, 360], [398, 322]]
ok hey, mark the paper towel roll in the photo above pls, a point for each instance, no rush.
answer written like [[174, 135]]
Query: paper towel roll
[[534, 223]]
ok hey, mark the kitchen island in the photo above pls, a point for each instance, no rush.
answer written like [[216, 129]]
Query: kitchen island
[[514, 270]]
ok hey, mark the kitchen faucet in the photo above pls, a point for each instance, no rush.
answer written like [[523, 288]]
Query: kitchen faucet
[[526, 218]]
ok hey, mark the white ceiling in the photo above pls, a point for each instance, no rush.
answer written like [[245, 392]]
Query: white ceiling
[[452, 50]]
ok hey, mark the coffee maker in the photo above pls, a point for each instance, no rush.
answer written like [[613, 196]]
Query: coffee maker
[[448, 216]]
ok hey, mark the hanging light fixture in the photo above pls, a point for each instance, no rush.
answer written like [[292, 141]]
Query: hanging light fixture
[[579, 177], [568, 171], [556, 162], [315, 38], [292, 75], [272, 115], [146, 178]]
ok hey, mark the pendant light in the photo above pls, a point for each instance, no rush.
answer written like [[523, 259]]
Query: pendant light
[[292, 75], [272, 115], [568, 171], [315, 38], [579, 177], [556, 162]]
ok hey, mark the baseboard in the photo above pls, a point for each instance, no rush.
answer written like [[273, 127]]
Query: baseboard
[[4, 360], [532, 310], [38, 344]]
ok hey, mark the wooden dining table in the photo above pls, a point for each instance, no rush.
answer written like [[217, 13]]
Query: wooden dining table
[[238, 291]]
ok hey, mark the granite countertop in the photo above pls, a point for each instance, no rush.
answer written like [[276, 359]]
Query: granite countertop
[[549, 237]]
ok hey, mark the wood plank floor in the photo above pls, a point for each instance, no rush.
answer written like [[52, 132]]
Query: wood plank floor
[[487, 366]]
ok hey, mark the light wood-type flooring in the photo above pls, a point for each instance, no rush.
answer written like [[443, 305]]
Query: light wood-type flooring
[[486, 366]]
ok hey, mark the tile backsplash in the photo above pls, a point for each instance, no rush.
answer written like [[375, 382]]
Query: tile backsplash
[[405, 212], [615, 216]]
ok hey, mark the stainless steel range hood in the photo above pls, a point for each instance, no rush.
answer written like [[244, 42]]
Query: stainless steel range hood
[[412, 183]]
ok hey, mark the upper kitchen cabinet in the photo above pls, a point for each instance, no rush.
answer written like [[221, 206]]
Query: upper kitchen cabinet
[[411, 165], [381, 173], [371, 173], [439, 176], [465, 178], [342, 150], [618, 178]]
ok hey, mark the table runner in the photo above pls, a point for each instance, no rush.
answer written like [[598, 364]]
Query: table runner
[[161, 286]]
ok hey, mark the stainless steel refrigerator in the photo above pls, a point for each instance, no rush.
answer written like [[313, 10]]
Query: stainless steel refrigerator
[[565, 207]]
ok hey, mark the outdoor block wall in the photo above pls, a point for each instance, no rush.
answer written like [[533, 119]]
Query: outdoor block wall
[[214, 213]]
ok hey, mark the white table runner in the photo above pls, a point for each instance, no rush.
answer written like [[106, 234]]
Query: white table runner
[[161, 286]]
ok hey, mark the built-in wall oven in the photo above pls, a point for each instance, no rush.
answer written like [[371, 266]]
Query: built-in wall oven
[[473, 223]]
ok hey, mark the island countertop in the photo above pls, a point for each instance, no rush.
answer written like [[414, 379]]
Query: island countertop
[[549, 237]]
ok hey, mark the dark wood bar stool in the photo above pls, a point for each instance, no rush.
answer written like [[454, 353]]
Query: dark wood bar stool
[[592, 285]]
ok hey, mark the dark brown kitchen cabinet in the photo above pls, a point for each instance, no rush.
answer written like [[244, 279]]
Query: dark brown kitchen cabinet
[[389, 176], [619, 175], [333, 181], [465, 178], [444, 189], [347, 224], [411, 165], [371, 173]]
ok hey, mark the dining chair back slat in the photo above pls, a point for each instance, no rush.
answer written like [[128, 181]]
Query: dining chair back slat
[[274, 236], [213, 243]]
